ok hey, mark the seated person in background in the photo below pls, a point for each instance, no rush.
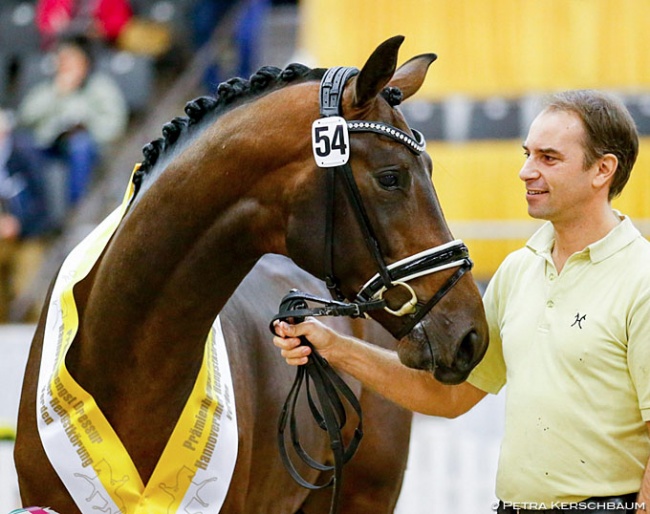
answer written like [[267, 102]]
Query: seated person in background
[[206, 15], [97, 19], [75, 115], [24, 220], [246, 38]]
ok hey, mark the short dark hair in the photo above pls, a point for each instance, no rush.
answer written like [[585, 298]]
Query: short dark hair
[[79, 41], [609, 128]]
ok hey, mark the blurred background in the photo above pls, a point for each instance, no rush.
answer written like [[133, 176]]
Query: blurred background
[[496, 61]]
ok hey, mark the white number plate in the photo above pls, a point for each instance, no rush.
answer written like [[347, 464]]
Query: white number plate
[[330, 141]]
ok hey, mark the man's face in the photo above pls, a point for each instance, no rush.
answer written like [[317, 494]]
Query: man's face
[[72, 60], [558, 188]]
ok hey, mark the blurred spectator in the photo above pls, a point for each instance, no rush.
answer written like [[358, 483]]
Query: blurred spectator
[[247, 36], [24, 219], [206, 15], [75, 115], [97, 19]]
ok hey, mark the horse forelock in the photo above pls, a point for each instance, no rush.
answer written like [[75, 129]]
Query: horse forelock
[[393, 95], [205, 109]]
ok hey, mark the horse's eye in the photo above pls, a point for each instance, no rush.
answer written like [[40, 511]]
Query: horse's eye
[[389, 180]]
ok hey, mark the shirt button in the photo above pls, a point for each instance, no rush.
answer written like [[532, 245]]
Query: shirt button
[[552, 277], [550, 304]]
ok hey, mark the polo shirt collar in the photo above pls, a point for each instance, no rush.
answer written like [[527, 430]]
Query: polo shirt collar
[[541, 242]]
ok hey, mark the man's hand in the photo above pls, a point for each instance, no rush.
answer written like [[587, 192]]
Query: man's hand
[[287, 339]]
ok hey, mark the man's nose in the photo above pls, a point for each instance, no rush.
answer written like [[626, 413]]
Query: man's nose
[[528, 170]]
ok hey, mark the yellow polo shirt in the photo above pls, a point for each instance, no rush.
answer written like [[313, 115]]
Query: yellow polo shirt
[[574, 349]]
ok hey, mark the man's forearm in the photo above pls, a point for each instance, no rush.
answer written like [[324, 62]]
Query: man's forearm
[[416, 390]]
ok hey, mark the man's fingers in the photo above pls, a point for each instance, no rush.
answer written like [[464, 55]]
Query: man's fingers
[[297, 362], [294, 354], [286, 343], [284, 329]]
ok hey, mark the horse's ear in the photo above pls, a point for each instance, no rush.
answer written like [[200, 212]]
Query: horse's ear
[[410, 75], [377, 71]]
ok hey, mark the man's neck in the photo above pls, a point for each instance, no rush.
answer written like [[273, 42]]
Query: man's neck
[[575, 235]]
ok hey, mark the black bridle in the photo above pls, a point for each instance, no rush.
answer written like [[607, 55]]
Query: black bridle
[[331, 390], [449, 255]]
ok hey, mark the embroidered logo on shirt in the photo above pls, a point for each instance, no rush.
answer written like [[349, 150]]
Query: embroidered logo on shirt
[[578, 321]]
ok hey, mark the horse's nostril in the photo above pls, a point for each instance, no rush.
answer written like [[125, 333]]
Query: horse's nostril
[[466, 351]]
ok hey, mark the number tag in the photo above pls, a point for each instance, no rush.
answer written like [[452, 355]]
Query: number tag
[[330, 141]]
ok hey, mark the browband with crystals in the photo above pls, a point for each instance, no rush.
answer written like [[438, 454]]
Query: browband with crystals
[[416, 144]]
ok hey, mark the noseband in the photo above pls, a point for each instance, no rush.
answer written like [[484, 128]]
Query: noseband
[[330, 138]]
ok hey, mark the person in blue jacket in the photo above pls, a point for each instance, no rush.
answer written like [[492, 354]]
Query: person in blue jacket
[[25, 223]]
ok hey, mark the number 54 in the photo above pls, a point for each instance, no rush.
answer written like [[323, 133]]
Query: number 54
[[330, 141]]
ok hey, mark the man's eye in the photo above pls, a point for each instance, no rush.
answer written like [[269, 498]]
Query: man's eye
[[389, 180]]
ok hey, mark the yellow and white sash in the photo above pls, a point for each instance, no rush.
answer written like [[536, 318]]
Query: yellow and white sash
[[194, 472]]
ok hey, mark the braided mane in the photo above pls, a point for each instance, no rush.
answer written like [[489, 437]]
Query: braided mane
[[228, 95]]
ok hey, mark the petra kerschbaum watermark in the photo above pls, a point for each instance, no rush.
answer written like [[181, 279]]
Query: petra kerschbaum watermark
[[573, 506]]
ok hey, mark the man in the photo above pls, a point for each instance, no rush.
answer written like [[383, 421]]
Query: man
[[569, 319], [75, 115]]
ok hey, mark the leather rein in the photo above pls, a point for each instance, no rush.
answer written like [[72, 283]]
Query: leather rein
[[330, 138]]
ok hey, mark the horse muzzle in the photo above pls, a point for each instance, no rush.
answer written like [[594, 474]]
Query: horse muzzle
[[449, 358], [444, 344]]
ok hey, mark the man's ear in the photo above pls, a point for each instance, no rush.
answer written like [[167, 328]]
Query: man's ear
[[607, 166]]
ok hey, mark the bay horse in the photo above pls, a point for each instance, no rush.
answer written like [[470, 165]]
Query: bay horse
[[234, 181]]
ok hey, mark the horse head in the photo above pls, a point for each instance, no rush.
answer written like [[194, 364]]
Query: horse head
[[381, 216]]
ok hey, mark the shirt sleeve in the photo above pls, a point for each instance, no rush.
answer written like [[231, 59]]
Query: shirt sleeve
[[638, 349], [490, 374]]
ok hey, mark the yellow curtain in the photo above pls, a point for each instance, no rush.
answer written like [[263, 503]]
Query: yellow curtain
[[490, 47]]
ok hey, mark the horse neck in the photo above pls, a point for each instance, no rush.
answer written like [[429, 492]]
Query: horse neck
[[187, 243]]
